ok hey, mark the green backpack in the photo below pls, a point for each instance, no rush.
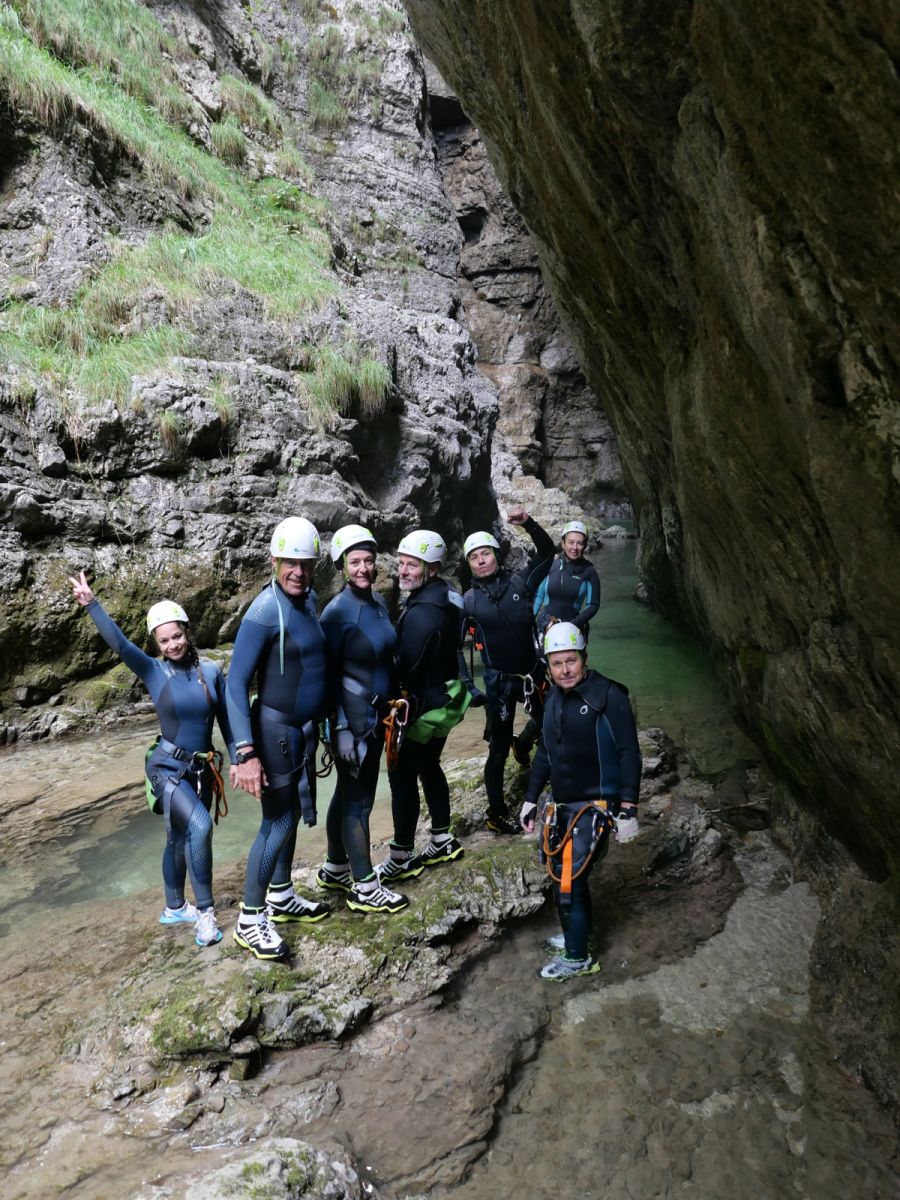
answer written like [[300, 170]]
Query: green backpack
[[438, 722]]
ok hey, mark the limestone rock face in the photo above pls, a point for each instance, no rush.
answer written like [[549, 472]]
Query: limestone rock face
[[711, 192], [551, 419], [173, 487]]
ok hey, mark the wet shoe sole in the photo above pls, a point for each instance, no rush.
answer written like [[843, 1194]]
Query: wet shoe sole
[[413, 873], [298, 918], [355, 906], [263, 955], [445, 858], [593, 969], [328, 886]]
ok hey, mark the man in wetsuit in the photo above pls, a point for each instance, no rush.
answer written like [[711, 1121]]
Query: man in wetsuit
[[427, 664], [499, 616], [589, 753], [280, 641]]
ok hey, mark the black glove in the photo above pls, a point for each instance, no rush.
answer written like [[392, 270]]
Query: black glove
[[345, 747]]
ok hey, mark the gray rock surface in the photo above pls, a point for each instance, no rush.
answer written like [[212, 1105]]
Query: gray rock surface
[[550, 418], [733, 295]]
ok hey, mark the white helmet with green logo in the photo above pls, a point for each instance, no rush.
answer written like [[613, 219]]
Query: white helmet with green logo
[[164, 612], [350, 537], [424, 544], [295, 537], [476, 541], [563, 636], [575, 527]]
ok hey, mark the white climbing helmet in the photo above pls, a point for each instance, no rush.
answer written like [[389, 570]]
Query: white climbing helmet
[[424, 544], [164, 612], [563, 636], [475, 541], [574, 527], [295, 537], [348, 537]]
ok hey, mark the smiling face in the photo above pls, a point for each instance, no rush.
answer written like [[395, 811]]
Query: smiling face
[[567, 667], [574, 545], [294, 575], [360, 568], [411, 572], [483, 562], [172, 640]]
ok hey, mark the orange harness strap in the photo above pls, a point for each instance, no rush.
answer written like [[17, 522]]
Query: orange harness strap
[[395, 727], [213, 760], [564, 849]]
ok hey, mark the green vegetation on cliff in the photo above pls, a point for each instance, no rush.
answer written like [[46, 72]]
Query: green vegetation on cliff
[[110, 66]]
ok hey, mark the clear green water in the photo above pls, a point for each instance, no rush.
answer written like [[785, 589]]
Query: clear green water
[[108, 857]]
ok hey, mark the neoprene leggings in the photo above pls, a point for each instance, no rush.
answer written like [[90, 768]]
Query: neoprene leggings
[[282, 749], [576, 918], [347, 822], [498, 733], [188, 848], [419, 761]]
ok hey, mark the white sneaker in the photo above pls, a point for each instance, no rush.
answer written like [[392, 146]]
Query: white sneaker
[[557, 942], [375, 898], [175, 916], [207, 931], [291, 907], [259, 937], [567, 968]]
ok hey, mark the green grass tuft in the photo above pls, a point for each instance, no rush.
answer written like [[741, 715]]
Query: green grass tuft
[[249, 106], [171, 425], [228, 140], [326, 109]]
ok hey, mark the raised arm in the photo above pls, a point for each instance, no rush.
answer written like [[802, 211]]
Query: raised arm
[[133, 656]]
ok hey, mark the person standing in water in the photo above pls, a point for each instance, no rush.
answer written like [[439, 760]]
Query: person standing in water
[[500, 619], [361, 642], [188, 693], [428, 642], [281, 643], [589, 754]]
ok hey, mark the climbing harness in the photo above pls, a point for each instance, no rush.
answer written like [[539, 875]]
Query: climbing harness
[[559, 849], [195, 763], [395, 724]]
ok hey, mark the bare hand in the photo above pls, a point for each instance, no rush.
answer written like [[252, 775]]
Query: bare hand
[[250, 777], [81, 589], [517, 516]]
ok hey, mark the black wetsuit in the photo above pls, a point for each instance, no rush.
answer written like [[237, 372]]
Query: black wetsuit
[[291, 684], [182, 785], [428, 641], [570, 592], [499, 610], [589, 751], [361, 642]]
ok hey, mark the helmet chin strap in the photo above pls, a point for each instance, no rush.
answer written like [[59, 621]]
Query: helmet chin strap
[[280, 624]]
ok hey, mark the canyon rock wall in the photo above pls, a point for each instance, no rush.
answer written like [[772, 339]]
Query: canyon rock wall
[[712, 194]]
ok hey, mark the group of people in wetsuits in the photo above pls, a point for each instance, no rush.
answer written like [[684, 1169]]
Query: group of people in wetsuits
[[369, 686]]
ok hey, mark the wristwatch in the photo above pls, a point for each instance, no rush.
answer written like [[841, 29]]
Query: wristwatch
[[245, 756]]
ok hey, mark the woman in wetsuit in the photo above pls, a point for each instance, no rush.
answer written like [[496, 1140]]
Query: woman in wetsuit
[[571, 589], [361, 642], [188, 693]]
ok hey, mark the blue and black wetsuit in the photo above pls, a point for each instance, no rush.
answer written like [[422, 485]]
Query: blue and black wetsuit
[[361, 642], [500, 617], [570, 592], [428, 643], [589, 751], [181, 784], [281, 643]]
